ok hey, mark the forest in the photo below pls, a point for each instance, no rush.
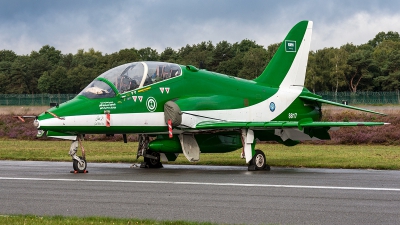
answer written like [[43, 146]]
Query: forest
[[373, 66]]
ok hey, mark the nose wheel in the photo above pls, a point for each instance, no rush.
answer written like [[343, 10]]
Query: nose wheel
[[79, 166]]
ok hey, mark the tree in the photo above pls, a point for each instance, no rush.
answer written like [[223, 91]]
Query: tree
[[382, 36], [386, 57], [312, 80], [19, 79], [231, 66], [222, 52], [183, 52], [148, 54], [5, 71], [45, 83], [52, 55], [359, 63], [271, 50], [245, 45], [339, 66], [254, 62], [371, 66], [200, 55], [169, 55], [88, 59], [79, 77], [55, 81], [7, 55], [122, 57], [36, 68], [322, 70]]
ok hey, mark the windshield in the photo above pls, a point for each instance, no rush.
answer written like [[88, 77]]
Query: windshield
[[131, 76]]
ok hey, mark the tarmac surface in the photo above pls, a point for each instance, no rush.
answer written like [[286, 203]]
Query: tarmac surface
[[219, 194]]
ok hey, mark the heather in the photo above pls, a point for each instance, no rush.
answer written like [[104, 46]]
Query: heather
[[386, 135], [13, 128], [383, 135]]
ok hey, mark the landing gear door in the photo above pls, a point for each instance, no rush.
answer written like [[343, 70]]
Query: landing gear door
[[190, 148]]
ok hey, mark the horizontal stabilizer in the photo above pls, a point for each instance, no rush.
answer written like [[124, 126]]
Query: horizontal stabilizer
[[339, 104]]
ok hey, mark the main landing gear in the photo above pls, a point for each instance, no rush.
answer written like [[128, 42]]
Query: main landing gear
[[151, 159], [78, 163], [258, 162]]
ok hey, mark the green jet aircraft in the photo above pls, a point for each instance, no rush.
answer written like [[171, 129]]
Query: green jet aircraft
[[182, 109]]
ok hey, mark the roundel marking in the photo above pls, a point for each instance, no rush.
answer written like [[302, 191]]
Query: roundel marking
[[272, 106], [151, 104]]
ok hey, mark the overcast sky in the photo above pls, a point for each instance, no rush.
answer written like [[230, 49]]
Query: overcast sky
[[108, 26]]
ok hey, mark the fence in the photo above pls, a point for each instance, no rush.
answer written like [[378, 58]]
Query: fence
[[34, 99], [349, 97], [363, 97]]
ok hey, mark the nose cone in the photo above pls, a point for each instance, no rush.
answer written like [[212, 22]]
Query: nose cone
[[77, 116], [54, 118]]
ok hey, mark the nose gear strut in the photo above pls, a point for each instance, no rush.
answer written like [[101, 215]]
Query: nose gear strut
[[78, 163]]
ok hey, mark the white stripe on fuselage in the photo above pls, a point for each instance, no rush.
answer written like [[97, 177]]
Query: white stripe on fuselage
[[260, 112], [99, 120], [256, 113]]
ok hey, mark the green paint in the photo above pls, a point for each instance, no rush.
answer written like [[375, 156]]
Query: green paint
[[279, 65], [216, 106]]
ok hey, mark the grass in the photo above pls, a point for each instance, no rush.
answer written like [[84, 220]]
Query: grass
[[303, 155], [61, 220]]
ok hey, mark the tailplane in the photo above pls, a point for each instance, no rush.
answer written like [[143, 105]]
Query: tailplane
[[288, 66]]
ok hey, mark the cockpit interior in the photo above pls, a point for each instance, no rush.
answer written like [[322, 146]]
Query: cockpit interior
[[129, 77]]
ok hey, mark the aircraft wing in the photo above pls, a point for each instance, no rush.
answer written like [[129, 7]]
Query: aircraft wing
[[338, 104], [281, 124]]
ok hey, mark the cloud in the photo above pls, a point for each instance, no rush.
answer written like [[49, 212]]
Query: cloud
[[358, 29], [109, 26]]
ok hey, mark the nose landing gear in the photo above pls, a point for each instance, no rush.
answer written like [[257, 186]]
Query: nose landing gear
[[78, 163], [79, 166]]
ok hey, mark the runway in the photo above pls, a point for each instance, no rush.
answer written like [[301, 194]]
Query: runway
[[218, 194]]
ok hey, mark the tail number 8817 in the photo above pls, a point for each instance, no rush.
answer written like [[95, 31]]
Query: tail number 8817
[[292, 115]]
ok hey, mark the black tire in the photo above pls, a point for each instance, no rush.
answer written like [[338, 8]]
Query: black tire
[[79, 167], [154, 163], [259, 160]]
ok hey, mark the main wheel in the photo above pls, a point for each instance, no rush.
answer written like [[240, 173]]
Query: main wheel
[[154, 163], [259, 160], [80, 167]]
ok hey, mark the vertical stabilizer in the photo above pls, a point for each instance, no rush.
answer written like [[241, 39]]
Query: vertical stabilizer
[[288, 66]]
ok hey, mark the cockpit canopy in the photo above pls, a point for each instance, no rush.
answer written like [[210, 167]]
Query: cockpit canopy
[[130, 76]]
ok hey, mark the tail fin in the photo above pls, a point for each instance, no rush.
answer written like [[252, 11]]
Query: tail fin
[[288, 66]]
